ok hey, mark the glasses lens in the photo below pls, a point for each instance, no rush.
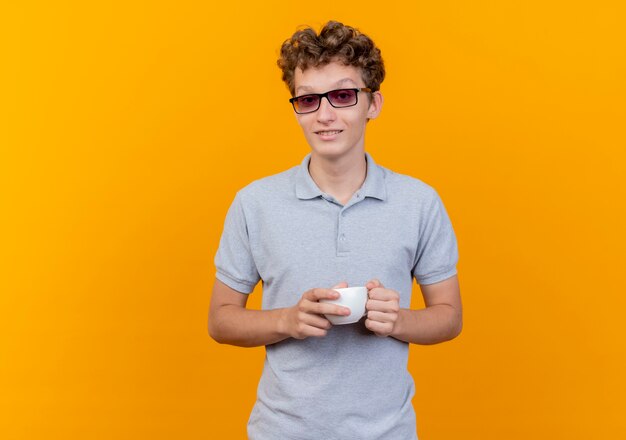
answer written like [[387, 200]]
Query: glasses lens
[[342, 98], [307, 103]]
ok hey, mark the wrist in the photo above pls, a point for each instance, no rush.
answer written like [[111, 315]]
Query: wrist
[[398, 328], [282, 326]]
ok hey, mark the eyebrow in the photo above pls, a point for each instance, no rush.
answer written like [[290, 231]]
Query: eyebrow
[[338, 84]]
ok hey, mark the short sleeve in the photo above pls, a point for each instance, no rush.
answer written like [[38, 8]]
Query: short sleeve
[[234, 262], [437, 252]]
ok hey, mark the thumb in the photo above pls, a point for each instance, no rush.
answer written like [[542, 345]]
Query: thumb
[[340, 285], [373, 284]]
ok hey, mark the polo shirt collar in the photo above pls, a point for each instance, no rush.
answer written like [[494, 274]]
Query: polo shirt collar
[[374, 185]]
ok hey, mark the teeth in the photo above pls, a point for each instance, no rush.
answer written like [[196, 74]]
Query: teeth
[[329, 132]]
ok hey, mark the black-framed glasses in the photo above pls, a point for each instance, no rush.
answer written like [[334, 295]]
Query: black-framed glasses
[[337, 98]]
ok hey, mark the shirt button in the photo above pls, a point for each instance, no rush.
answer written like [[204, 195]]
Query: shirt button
[[342, 238]]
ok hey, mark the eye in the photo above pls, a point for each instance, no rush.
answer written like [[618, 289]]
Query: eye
[[307, 100], [343, 96]]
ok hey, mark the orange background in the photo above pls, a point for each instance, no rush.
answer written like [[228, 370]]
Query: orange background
[[124, 136]]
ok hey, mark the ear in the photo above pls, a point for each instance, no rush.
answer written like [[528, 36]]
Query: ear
[[376, 105]]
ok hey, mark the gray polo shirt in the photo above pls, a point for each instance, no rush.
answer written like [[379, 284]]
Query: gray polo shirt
[[284, 231]]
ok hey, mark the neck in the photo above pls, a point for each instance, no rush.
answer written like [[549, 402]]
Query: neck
[[340, 177]]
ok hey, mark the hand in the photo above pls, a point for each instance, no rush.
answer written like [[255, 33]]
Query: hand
[[382, 308], [307, 319]]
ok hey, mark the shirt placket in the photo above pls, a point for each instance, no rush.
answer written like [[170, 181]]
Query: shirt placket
[[343, 232]]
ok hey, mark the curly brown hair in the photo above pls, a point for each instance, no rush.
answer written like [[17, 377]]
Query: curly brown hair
[[335, 42]]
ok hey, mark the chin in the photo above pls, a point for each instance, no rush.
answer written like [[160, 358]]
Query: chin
[[330, 151]]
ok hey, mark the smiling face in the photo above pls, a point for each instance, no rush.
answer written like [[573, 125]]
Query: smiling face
[[333, 132]]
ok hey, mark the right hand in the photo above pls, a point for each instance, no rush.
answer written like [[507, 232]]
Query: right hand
[[307, 319]]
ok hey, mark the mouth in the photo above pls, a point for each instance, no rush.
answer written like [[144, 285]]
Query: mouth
[[328, 134]]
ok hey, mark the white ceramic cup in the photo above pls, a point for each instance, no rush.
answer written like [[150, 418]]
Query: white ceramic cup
[[353, 298]]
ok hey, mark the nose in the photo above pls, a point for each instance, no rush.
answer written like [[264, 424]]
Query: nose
[[326, 112]]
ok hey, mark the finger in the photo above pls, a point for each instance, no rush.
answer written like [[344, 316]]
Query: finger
[[315, 332], [382, 306], [372, 284], [316, 321], [384, 318], [341, 285], [318, 333], [381, 329], [381, 294], [321, 308], [315, 295]]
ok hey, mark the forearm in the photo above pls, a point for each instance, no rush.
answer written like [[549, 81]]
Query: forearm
[[247, 328], [432, 325]]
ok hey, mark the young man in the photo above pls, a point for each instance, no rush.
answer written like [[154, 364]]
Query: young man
[[338, 219]]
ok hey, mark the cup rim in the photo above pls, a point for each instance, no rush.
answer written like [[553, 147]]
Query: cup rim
[[349, 289]]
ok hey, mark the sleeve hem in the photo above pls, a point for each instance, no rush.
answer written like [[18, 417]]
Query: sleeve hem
[[238, 285], [436, 278]]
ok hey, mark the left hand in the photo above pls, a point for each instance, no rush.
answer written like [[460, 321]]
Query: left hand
[[382, 308]]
